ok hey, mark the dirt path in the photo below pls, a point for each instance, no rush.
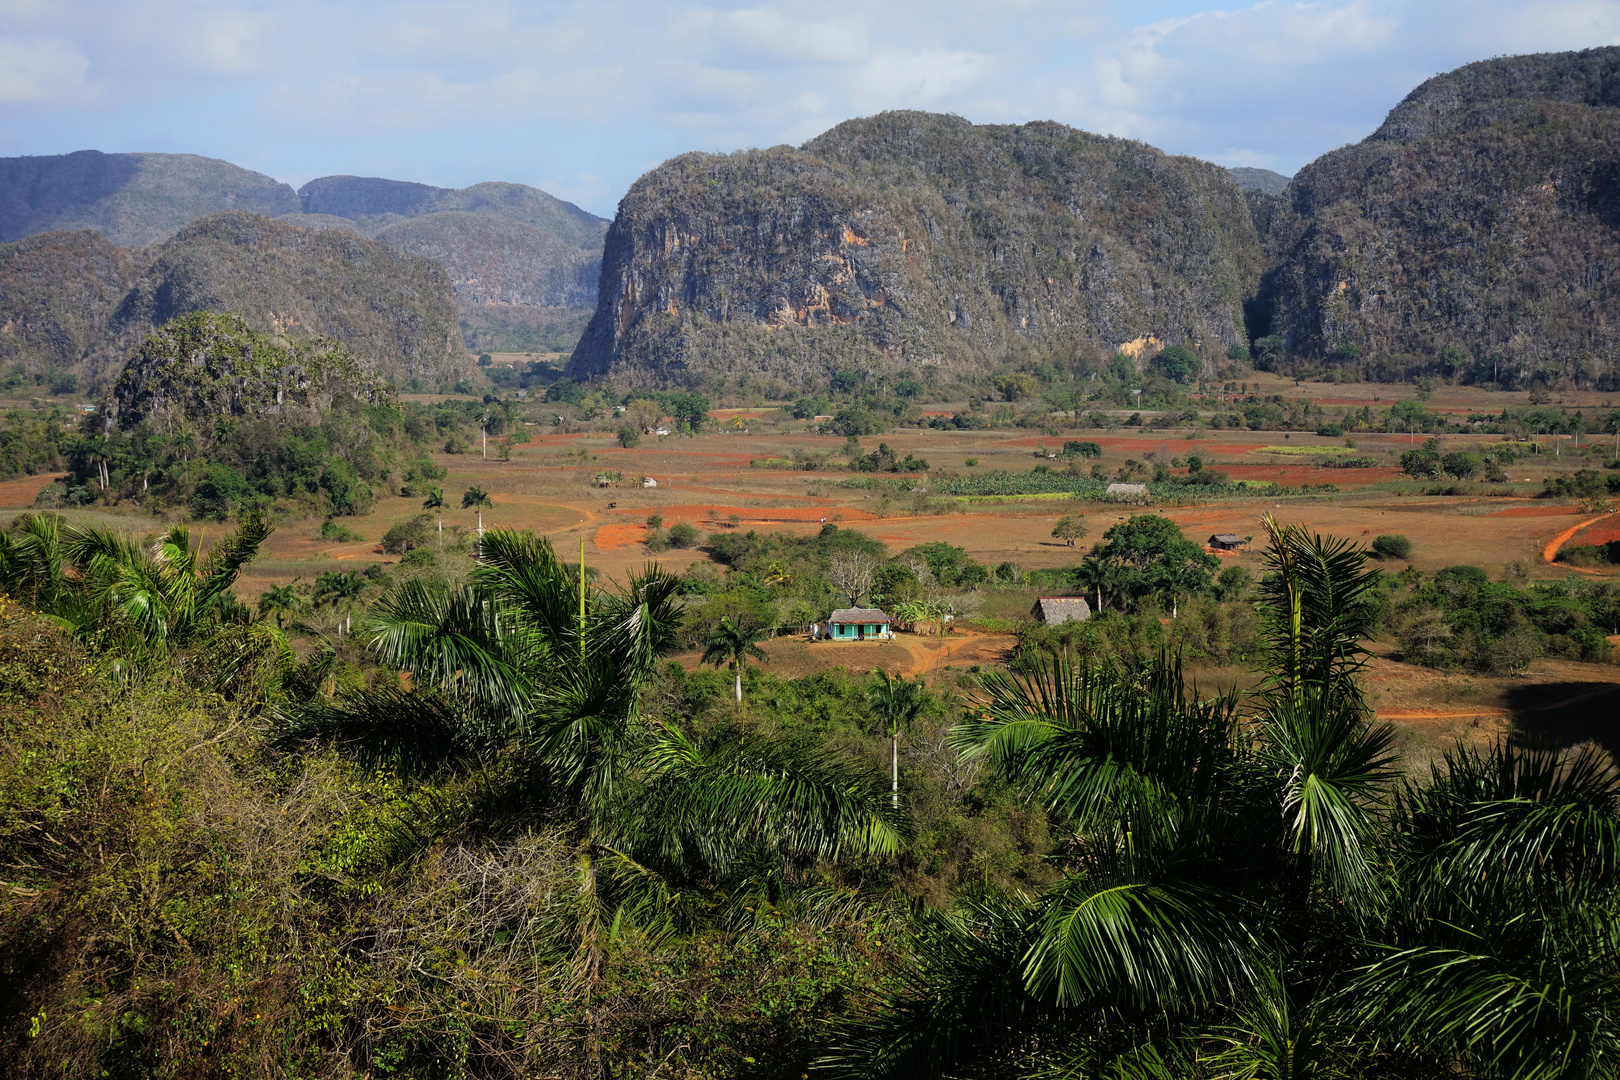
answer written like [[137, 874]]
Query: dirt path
[[930, 654], [1550, 552]]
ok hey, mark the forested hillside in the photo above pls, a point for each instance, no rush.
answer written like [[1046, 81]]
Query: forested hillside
[[919, 243], [524, 263], [1473, 235], [132, 199], [73, 305]]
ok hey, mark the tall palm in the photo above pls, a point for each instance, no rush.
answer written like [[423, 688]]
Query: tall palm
[[1503, 956], [733, 642], [1203, 865], [1097, 575], [1313, 605], [897, 702], [340, 588], [280, 601], [435, 503], [476, 498]]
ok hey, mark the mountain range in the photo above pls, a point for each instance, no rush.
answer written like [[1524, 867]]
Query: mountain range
[[523, 264], [1474, 234]]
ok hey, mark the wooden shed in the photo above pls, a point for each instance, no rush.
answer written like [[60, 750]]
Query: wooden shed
[[1226, 541]]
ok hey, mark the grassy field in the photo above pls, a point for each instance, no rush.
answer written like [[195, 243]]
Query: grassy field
[[549, 485]]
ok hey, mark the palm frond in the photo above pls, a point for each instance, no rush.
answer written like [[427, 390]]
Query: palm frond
[[415, 732], [452, 639], [222, 565], [702, 806], [961, 1008]]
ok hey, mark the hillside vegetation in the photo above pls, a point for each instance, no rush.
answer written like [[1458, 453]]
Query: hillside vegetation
[[132, 199], [524, 263], [73, 305], [1473, 235], [918, 242]]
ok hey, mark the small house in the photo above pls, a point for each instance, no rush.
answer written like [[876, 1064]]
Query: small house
[[648, 482], [1128, 492], [1056, 610], [859, 624], [1226, 541]]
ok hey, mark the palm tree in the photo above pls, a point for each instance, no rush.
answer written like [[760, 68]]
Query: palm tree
[[529, 676], [280, 601], [339, 588], [476, 498], [897, 703], [1183, 910], [733, 642], [1095, 575], [435, 503], [128, 596]]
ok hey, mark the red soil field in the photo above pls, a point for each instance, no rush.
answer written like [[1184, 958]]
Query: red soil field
[[750, 514], [1537, 511], [24, 490]]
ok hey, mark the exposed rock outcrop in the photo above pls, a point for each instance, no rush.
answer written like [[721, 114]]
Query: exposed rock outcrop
[[1476, 233], [912, 241]]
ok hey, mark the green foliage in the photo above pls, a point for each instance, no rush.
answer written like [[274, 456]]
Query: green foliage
[[403, 536], [1147, 556], [1392, 546], [1460, 618], [683, 534], [341, 534], [1176, 363]]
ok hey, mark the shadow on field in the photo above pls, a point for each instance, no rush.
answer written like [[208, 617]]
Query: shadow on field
[[1566, 713]]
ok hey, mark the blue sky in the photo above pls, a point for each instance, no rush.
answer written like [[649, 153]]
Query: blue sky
[[581, 97]]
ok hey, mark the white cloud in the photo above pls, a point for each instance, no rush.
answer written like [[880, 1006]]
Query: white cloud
[[607, 85], [43, 72]]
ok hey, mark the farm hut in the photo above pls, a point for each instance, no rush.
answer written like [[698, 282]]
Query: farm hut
[[1127, 492], [1055, 610], [859, 624], [1226, 541]]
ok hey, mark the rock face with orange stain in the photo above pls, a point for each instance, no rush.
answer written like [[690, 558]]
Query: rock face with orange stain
[[911, 240]]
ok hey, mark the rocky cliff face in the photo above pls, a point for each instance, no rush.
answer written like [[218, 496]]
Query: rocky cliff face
[[917, 242], [74, 301], [131, 199], [1476, 233]]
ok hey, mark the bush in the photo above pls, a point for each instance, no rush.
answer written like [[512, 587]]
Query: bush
[[331, 530], [683, 534], [407, 535], [629, 437], [419, 559], [1392, 546]]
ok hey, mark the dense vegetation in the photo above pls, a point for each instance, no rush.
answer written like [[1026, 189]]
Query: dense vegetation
[[232, 850], [216, 417]]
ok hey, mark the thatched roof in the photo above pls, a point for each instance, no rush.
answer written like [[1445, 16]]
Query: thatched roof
[[858, 615], [1226, 538], [1053, 610]]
